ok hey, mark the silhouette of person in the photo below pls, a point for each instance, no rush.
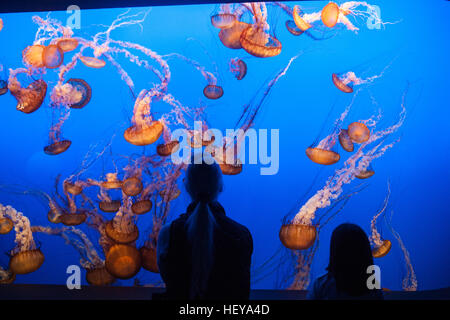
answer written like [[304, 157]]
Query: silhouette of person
[[350, 256], [204, 254]]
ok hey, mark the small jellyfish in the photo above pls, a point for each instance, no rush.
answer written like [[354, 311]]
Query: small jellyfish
[[26, 261], [330, 14], [345, 141], [1, 24], [3, 87], [238, 67], [212, 91], [111, 182], [54, 216], [292, 28], [322, 156], [365, 174], [297, 236], [223, 20], [149, 261], [99, 277], [57, 147], [166, 149], [358, 132], [141, 206], [52, 56], [132, 186], [123, 261], [231, 169], [141, 136], [32, 55], [259, 43], [92, 62], [73, 219], [84, 88], [72, 188], [299, 21], [230, 37], [28, 99], [119, 236], [110, 206], [170, 194], [341, 84], [67, 44], [382, 250], [6, 225]]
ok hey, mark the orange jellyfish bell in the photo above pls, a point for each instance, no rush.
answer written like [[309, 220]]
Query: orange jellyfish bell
[[213, 92], [110, 206], [119, 236], [166, 149], [230, 37], [84, 88], [54, 217], [6, 225], [330, 14], [149, 261], [73, 219], [57, 147], [72, 188], [11, 277], [297, 236], [26, 261], [382, 250], [141, 206], [241, 70], [32, 55], [358, 132], [223, 20], [365, 174], [141, 136], [67, 44], [111, 182], [299, 22], [3, 87], [123, 261], [260, 44], [322, 156], [52, 56], [292, 28], [340, 84], [1, 24], [99, 277], [132, 186], [92, 62], [29, 99], [345, 141]]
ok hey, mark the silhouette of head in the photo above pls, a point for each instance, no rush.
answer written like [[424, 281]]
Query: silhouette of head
[[203, 181], [350, 255]]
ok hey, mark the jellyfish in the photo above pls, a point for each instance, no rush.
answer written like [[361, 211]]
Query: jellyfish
[[332, 14], [132, 186], [123, 261], [141, 206], [110, 206], [366, 173], [211, 90], [346, 81], [67, 44], [52, 56], [93, 62], [6, 276], [238, 67], [292, 28], [99, 277], [231, 37], [409, 282], [29, 99], [358, 132], [256, 39], [25, 257], [380, 247], [148, 256], [33, 56], [357, 162], [224, 18], [1, 24], [166, 149], [297, 237], [84, 89], [6, 224], [345, 141]]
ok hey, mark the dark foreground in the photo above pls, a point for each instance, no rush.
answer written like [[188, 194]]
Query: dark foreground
[[60, 292]]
